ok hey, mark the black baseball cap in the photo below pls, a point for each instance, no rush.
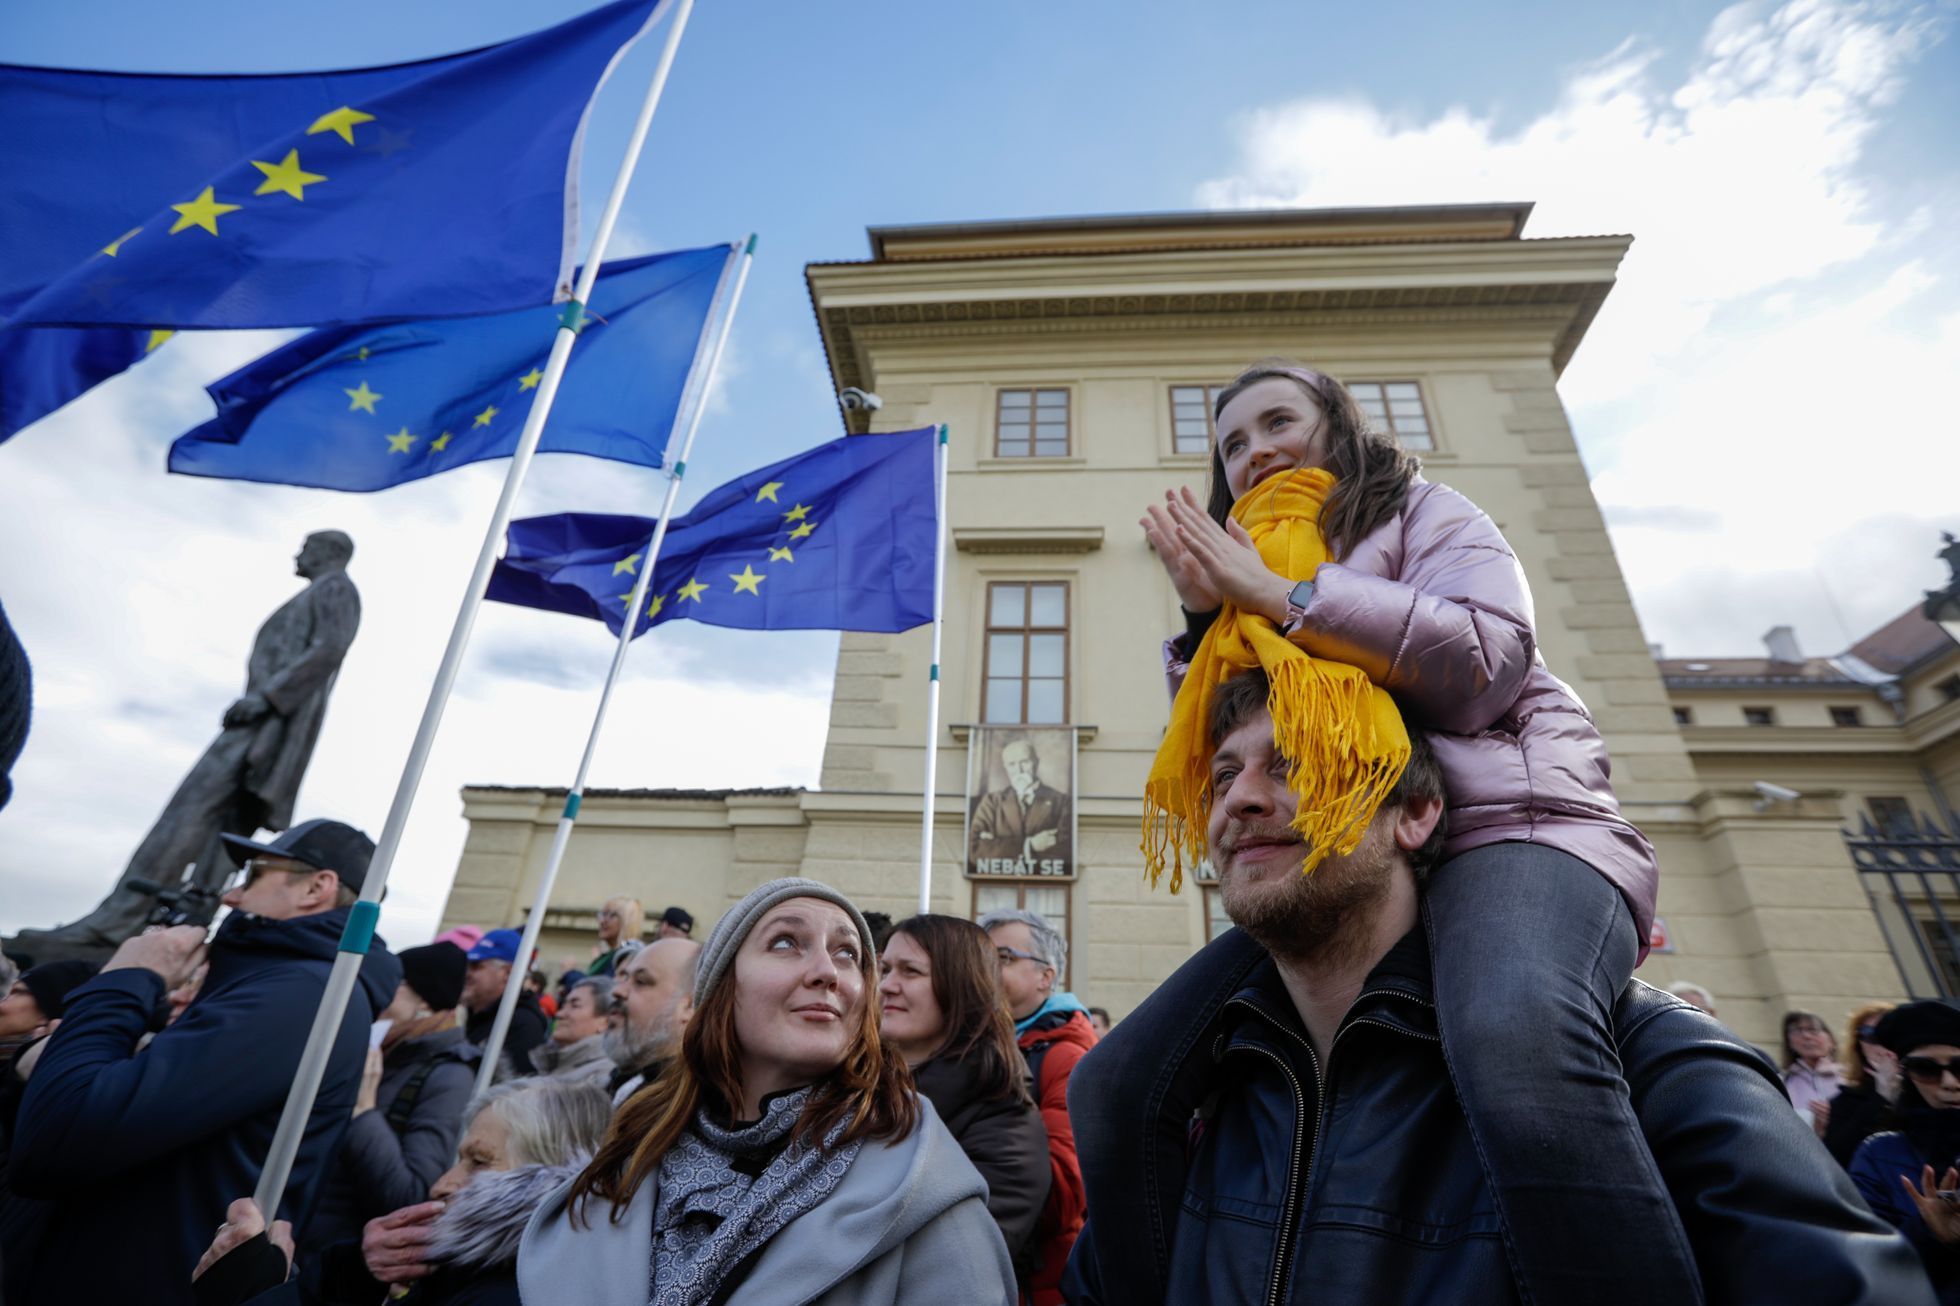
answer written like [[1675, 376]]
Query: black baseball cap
[[323, 845], [679, 919]]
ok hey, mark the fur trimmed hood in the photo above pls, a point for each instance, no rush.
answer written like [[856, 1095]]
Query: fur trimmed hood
[[482, 1226]]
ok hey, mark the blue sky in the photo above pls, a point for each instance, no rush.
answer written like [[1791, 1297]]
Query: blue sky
[[1780, 167]]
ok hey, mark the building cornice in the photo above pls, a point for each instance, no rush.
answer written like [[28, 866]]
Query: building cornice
[[1027, 539]]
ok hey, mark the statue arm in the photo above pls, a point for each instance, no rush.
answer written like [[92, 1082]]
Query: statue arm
[[336, 616]]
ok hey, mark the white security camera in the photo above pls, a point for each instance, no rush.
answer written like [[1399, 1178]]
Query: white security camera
[[1771, 794], [856, 400]]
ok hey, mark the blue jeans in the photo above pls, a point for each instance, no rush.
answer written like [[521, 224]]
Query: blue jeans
[[1531, 948]]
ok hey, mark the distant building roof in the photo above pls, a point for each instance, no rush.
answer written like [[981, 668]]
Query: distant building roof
[[1903, 642], [675, 795], [1894, 649]]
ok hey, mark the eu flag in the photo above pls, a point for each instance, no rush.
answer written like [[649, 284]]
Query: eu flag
[[838, 538], [364, 408], [42, 368], [429, 189]]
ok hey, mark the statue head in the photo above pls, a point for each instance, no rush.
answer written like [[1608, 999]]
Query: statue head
[[323, 552]]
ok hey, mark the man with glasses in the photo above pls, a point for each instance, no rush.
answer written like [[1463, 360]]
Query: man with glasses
[[140, 1147], [1053, 1029]]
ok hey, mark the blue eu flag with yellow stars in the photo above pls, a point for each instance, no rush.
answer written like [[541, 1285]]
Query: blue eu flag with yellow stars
[[364, 408], [841, 537], [42, 368], [429, 189]]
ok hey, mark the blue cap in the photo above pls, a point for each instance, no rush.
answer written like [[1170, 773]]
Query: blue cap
[[497, 945]]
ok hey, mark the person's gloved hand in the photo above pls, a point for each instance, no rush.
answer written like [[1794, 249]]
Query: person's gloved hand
[[245, 1259]]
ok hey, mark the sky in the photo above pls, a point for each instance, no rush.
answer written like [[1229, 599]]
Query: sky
[[1760, 403]]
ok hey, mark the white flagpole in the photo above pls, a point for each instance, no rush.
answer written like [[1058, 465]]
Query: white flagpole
[[354, 942], [932, 685], [705, 378]]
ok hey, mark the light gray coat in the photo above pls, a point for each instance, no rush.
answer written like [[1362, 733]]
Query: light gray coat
[[583, 1062], [907, 1224]]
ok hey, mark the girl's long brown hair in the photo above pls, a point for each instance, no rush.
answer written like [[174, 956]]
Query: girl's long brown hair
[[1853, 1062], [966, 983], [1371, 472], [870, 1093]]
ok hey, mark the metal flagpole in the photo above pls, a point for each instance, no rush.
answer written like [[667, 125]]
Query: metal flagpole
[[361, 920], [507, 1007], [932, 685]]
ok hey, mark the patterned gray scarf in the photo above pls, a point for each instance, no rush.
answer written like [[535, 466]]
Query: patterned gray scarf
[[717, 1203]]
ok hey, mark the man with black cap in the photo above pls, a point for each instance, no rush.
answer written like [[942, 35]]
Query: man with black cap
[[675, 923], [408, 1114], [140, 1151]]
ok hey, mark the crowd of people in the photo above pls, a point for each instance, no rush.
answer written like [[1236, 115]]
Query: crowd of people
[[1418, 1068]]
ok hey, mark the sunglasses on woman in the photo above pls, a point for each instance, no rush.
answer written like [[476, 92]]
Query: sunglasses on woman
[[1929, 1070]]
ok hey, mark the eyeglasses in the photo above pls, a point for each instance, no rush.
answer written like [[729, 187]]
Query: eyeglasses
[[1930, 1070], [607, 914], [1008, 955]]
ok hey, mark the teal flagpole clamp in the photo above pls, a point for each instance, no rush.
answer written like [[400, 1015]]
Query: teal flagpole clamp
[[573, 317], [362, 917], [573, 801]]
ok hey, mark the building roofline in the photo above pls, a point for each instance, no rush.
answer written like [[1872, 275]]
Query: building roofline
[[676, 795]]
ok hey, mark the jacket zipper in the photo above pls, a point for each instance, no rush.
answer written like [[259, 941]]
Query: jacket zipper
[[1296, 1181]]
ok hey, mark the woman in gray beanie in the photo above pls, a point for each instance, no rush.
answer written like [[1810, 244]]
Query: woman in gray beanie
[[782, 1157]]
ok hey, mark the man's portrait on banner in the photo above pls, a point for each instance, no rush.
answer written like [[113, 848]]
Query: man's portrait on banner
[[1020, 802]]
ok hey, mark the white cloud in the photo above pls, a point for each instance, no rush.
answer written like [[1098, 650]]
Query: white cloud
[[1762, 375]]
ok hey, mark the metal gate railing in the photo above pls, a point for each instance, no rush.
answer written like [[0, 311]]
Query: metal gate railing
[[1911, 875]]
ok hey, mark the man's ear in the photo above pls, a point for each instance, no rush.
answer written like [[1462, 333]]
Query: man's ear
[[1415, 823], [683, 1011]]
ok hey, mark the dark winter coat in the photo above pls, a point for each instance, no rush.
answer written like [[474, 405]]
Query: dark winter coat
[[1357, 1181], [1004, 1139], [528, 1028], [1876, 1168], [1857, 1112], [143, 1150], [393, 1154]]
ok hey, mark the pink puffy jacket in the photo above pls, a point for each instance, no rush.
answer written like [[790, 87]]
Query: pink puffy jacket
[[1434, 607]]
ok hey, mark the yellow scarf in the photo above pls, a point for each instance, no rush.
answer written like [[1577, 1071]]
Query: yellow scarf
[[1343, 734]]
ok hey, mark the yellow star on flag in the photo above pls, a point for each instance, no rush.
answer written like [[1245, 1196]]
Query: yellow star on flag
[[157, 337], [748, 580], [363, 354], [798, 513], [769, 492], [286, 176], [362, 399], [626, 599], [203, 211], [781, 555], [340, 122], [653, 608], [803, 530], [529, 381], [628, 565], [694, 589], [400, 441], [483, 418], [440, 443], [116, 245]]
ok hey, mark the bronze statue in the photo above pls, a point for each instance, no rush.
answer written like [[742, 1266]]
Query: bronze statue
[[249, 775]]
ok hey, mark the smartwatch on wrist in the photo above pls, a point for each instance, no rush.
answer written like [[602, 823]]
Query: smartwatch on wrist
[[1297, 599]]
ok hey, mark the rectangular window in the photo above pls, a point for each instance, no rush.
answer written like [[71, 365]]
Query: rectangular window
[[1847, 716], [1045, 898], [1758, 716], [1949, 688], [1395, 408], [1026, 659], [1031, 424], [1191, 421], [1892, 816], [1684, 716]]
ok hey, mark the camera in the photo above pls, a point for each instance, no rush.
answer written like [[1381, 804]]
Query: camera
[[180, 904], [856, 400]]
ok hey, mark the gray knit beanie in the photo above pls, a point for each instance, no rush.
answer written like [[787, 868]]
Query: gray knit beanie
[[718, 953]]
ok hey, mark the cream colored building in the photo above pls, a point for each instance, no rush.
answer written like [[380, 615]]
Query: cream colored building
[[1069, 359]]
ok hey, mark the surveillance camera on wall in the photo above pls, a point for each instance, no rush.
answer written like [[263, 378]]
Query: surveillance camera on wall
[[856, 400], [1769, 795]]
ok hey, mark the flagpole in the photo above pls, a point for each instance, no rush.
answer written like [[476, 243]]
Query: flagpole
[[575, 797], [932, 684], [362, 918]]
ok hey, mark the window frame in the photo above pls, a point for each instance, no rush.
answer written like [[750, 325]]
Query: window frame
[[1751, 711], [1846, 716], [1388, 410], [1210, 393], [1683, 716], [1884, 808], [1026, 631], [1034, 393]]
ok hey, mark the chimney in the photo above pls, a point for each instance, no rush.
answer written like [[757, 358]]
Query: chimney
[[1781, 641], [1656, 652]]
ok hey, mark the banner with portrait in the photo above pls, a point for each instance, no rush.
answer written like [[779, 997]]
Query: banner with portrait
[[1020, 802]]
